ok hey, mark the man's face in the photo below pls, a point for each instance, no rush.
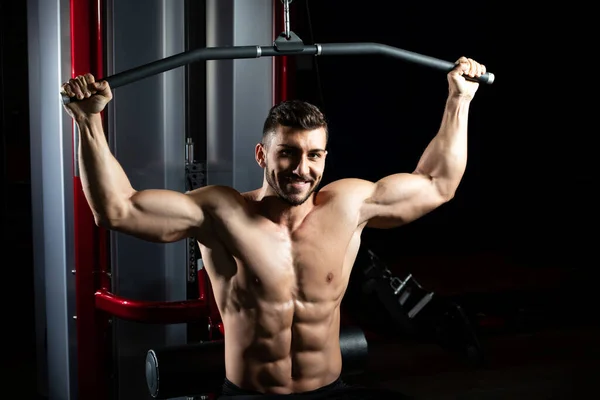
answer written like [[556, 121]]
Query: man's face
[[294, 161]]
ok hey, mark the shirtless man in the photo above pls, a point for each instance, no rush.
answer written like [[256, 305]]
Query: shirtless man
[[279, 257]]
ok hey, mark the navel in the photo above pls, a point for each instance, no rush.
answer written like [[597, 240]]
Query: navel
[[329, 277]]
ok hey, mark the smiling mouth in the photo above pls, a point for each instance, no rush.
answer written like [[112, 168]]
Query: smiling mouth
[[297, 184]]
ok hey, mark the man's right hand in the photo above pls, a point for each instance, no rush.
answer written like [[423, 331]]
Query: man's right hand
[[91, 96]]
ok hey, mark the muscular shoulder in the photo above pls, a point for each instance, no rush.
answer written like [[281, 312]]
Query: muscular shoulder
[[217, 197], [349, 191], [345, 198], [349, 187]]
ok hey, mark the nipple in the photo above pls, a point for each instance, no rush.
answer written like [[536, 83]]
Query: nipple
[[329, 277]]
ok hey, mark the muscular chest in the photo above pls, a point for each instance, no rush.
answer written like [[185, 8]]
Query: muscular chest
[[309, 263]]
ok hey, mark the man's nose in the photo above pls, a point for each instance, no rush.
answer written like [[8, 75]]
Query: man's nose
[[301, 167]]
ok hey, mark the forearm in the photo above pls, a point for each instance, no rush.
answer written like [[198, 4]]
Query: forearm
[[445, 158], [105, 184]]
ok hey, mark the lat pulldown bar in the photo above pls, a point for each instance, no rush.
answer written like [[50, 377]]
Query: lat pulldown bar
[[295, 47]]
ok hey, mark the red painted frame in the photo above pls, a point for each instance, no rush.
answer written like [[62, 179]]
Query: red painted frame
[[90, 241], [155, 312], [282, 65]]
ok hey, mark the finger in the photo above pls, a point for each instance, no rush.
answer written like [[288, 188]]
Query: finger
[[67, 90], [84, 85], [81, 83], [462, 65], [475, 68], [472, 69], [100, 86], [462, 60], [91, 83], [480, 69], [74, 84], [103, 88], [80, 79]]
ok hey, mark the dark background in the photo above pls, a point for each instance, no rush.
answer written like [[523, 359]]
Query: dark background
[[526, 188], [525, 208]]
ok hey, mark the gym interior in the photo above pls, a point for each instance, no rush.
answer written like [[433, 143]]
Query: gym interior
[[489, 297]]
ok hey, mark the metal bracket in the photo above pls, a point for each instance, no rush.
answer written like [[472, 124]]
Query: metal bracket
[[294, 43]]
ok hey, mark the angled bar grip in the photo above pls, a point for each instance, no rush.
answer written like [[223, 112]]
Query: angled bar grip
[[340, 49], [242, 52]]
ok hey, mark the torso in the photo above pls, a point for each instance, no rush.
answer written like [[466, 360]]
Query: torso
[[279, 291]]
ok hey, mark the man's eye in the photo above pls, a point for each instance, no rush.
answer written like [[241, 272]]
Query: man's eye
[[314, 155]]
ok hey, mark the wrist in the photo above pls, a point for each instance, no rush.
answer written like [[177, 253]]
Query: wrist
[[85, 118], [459, 100], [460, 96]]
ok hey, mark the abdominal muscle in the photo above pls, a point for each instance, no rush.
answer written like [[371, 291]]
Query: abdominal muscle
[[284, 347]]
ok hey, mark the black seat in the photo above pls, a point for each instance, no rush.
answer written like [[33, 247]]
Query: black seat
[[197, 369]]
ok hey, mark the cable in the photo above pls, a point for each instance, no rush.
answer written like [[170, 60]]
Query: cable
[[3, 125], [315, 61]]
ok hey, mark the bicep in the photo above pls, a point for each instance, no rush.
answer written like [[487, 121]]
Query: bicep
[[160, 215], [399, 199]]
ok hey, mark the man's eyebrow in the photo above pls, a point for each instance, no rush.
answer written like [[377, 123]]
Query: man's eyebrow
[[287, 146]]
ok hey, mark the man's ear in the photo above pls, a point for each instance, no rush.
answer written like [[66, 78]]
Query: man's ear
[[260, 154]]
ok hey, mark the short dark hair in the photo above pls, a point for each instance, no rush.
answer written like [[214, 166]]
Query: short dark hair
[[297, 114]]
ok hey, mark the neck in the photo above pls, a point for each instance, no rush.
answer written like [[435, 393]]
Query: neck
[[280, 211]]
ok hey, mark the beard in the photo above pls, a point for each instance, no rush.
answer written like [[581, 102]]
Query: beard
[[294, 199]]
